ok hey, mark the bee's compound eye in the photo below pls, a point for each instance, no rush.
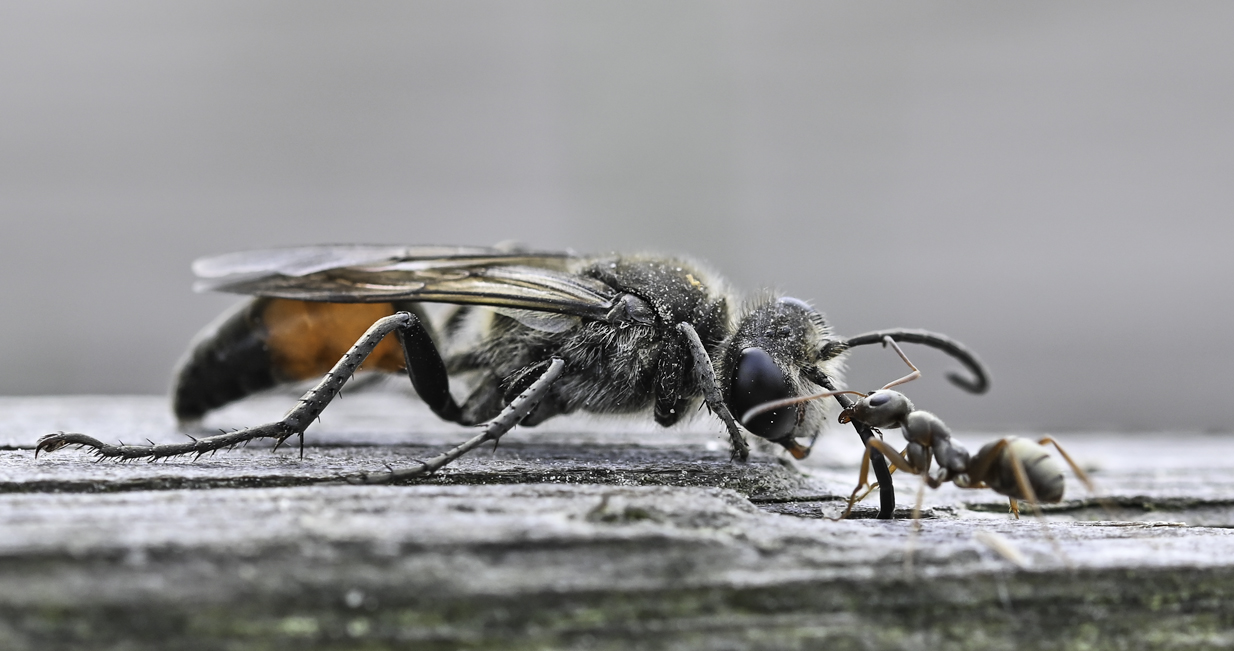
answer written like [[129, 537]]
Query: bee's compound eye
[[758, 379]]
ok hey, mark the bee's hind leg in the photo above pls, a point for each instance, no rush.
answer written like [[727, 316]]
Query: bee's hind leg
[[293, 424], [427, 371], [428, 376]]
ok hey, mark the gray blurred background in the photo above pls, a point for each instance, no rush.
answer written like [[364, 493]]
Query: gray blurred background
[[1050, 182]]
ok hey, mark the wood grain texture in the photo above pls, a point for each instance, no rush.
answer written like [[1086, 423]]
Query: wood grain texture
[[590, 536]]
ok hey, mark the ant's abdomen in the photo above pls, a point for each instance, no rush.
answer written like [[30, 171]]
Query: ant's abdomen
[[267, 342], [1044, 474]]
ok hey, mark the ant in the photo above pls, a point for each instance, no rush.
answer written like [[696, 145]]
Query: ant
[[1018, 468]]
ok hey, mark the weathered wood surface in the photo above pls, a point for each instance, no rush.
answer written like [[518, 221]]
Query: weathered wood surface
[[586, 535]]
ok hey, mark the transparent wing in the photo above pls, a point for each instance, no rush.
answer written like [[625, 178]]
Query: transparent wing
[[373, 274], [304, 260]]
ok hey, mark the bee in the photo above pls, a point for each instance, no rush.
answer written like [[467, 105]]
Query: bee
[[531, 335]]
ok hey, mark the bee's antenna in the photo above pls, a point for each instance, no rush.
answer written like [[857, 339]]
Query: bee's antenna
[[788, 402], [980, 382]]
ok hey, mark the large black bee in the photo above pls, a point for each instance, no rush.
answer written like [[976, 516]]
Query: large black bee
[[534, 335]]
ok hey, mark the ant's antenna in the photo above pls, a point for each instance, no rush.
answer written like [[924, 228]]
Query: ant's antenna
[[788, 402], [907, 378]]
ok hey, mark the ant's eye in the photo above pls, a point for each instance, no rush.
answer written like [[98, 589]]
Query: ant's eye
[[758, 379], [879, 398]]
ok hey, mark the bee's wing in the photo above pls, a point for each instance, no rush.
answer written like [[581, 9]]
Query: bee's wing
[[375, 274], [304, 260]]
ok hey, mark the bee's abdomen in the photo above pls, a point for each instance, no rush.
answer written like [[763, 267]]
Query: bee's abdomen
[[271, 341], [227, 364]]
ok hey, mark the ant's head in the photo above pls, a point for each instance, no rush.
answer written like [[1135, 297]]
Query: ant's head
[[883, 408], [773, 346]]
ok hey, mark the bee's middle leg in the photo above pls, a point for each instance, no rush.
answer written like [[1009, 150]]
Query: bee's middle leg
[[511, 415]]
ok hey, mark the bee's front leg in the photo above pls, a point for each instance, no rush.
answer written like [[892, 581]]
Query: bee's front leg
[[711, 390]]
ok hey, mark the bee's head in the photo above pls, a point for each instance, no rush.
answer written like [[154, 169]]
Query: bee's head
[[774, 342]]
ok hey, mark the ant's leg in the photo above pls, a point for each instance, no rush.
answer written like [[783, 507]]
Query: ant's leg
[[1002, 547], [1026, 489], [862, 482], [1021, 480], [918, 503], [915, 531], [510, 416], [892, 456], [899, 461], [980, 464], [886, 490], [1074, 467], [294, 423], [706, 375], [1104, 501]]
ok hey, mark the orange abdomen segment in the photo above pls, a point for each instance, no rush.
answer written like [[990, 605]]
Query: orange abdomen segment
[[306, 339], [269, 341]]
